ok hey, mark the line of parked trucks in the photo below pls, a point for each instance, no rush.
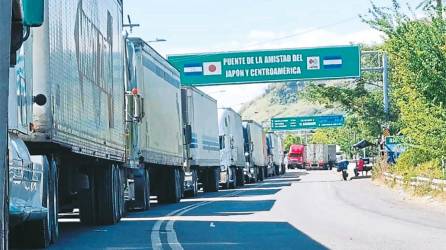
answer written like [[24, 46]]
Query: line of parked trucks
[[100, 122], [311, 156]]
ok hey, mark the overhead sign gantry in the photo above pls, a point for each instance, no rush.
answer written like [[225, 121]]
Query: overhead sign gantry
[[324, 63], [307, 122]]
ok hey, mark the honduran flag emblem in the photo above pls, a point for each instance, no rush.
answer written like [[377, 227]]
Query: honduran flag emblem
[[206, 69], [332, 62]]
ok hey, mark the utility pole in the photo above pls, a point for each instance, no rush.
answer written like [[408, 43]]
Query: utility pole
[[386, 85], [5, 41], [439, 8]]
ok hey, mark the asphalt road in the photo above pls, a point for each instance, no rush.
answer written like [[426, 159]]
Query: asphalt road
[[300, 210]]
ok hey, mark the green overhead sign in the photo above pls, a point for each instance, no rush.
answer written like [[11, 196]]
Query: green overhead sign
[[306, 122], [268, 65]]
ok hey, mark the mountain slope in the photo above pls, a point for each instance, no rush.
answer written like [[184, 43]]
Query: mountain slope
[[281, 100]]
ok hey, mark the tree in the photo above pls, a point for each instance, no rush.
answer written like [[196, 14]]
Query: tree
[[417, 53], [290, 140]]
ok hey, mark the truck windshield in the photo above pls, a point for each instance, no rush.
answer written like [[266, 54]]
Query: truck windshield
[[295, 155]]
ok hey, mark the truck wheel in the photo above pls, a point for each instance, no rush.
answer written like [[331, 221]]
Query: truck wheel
[[107, 195], [240, 177], [38, 232], [234, 172], [212, 180], [194, 182], [173, 191], [121, 191], [54, 201], [142, 188], [259, 174], [87, 200], [194, 191]]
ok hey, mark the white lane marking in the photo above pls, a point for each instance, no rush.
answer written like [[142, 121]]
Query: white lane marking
[[155, 234], [172, 239]]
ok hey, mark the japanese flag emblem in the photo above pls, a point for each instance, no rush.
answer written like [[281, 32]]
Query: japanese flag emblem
[[211, 68]]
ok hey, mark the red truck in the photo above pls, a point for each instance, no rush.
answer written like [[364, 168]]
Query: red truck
[[296, 156]]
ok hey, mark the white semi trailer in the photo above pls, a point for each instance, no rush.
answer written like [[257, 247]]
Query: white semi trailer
[[78, 65], [320, 156], [154, 125], [98, 141], [232, 159], [275, 154], [255, 151], [200, 117]]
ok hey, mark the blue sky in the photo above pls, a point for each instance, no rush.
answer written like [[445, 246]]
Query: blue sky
[[201, 26]]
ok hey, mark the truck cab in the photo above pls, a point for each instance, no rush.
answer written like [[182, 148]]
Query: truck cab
[[32, 205], [296, 156]]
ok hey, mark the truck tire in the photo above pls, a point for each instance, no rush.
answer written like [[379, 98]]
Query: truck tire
[[233, 184], [107, 195], [142, 188], [260, 174], [212, 183], [54, 201], [240, 177], [38, 232], [122, 184], [172, 192], [194, 191], [87, 198], [277, 170]]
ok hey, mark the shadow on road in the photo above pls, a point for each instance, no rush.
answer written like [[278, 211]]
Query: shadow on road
[[134, 230], [361, 177], [243, 235], [232, 207]]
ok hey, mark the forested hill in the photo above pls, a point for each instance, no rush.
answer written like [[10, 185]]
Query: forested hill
[[281, 100]]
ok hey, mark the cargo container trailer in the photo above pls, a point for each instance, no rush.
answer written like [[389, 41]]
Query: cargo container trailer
[[320, 156], [255, 151], [155, 142], [200, 118], [275, 154]]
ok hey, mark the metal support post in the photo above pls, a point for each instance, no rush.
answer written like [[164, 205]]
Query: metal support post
[[386, 84], [5, 40]]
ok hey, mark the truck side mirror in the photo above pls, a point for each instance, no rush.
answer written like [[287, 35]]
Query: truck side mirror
[[139, 107], [134, 107], [188, 134], [33, 12]]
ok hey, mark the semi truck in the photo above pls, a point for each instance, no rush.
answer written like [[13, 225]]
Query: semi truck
[[275, 154], [200, 118], [320, 156], [232, 159], [155, 141], [255, 151], [72, 150], [296, 157], [94, 131]]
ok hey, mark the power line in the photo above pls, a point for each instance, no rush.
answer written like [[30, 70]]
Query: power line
[[304, 32]]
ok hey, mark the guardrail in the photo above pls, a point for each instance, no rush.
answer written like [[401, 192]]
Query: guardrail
[[434, 184]]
